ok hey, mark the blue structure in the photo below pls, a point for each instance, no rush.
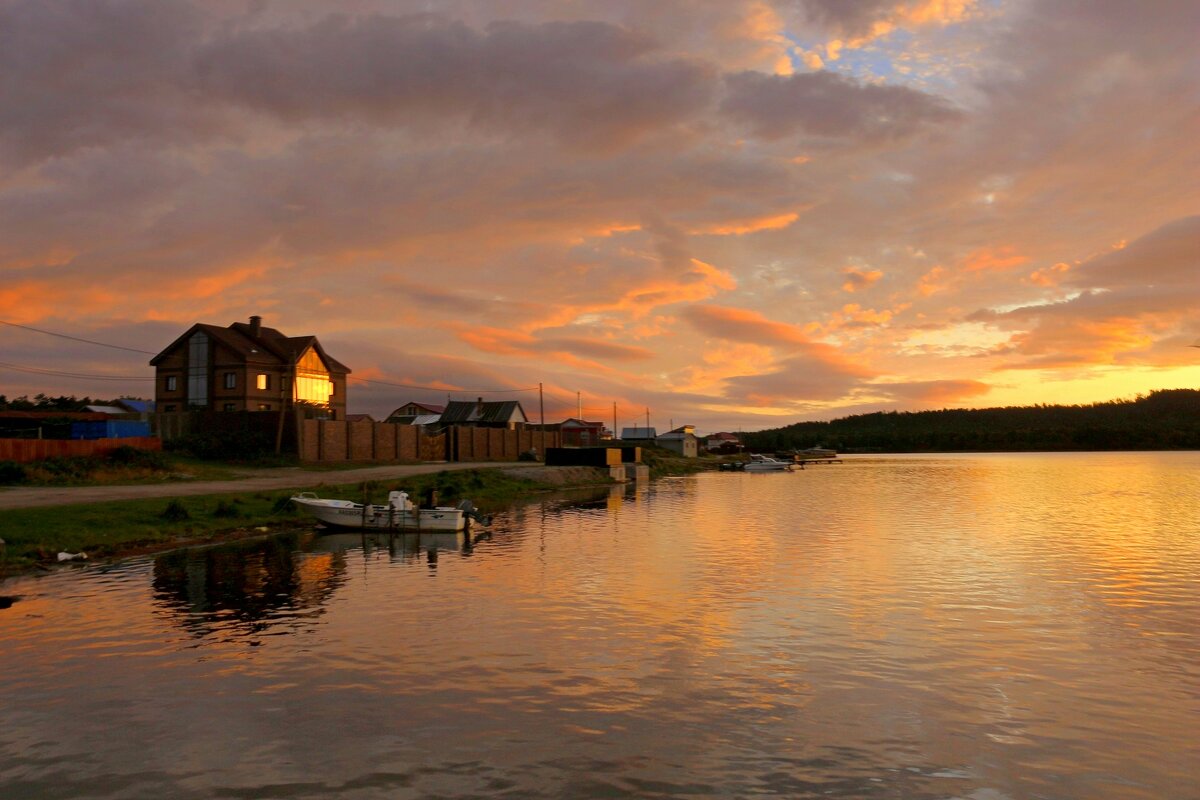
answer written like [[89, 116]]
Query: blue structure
[[109, 429]]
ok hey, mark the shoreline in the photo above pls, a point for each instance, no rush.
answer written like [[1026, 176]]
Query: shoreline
[[40, 522]]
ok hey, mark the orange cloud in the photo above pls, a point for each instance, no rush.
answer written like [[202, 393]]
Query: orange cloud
[[28, 301], [742, 325], [931, 282], [857, 279], [945, 391], [739, 227], [1075, 342], [1050, 276], [993, 259]]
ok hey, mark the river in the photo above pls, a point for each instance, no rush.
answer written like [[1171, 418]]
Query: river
[[991, 627]]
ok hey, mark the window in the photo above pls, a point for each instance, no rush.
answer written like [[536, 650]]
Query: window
[[332, 388], [197, 393], [230, 380], [312, 380], [264, 406], [230, 407], [172, 383], [264, 381], [170, 407]]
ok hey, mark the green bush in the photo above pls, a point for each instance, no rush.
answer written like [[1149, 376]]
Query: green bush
[[126, 456], [226, 510], [11, 473], [175, 512]]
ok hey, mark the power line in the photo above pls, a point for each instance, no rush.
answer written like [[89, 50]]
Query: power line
[[441, 389], [78, 339], [80, 375]]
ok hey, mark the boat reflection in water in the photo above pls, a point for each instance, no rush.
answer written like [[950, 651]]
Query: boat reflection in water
[[397, 545]]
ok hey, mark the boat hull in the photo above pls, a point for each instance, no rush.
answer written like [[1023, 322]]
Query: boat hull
[[355, 516]]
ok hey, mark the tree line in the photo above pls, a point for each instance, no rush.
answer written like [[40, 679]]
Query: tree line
[[1167, 419], [42, 402]]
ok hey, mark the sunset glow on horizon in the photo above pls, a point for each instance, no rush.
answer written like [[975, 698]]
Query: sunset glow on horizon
[[735, 214]]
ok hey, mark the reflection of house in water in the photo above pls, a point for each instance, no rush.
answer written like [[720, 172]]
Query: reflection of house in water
[[245, 587]]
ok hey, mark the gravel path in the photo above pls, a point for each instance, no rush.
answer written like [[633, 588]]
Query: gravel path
[[250, 480]]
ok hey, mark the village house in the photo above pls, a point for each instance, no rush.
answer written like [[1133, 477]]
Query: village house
[[682, 441], [416, 414], [639, 435], [500, 414], [581, 433], [247, 367], [723, 442]]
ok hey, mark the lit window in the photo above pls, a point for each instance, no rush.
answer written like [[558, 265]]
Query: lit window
[[312, 384], [332, 388], [264, 406], [230, 382], [264, 381]]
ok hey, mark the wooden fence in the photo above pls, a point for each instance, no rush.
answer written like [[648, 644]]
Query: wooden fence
[[25, 450], [365, 441]]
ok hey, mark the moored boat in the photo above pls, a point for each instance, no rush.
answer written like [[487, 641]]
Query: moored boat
[[761, 463], [398, 514]]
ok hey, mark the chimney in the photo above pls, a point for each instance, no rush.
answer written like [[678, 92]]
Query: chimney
[[255, 326], [479, 406]]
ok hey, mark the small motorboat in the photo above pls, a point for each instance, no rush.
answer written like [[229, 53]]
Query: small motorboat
[[761, 463], [398, 514]]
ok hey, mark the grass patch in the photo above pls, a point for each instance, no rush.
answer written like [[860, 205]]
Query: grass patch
[[106, 529], [124, 466]]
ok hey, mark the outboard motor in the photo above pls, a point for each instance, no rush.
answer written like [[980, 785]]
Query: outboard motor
[[399, 501], [468, 509]]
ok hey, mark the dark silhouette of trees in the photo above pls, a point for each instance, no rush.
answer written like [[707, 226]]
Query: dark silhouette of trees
[[1163, 420]]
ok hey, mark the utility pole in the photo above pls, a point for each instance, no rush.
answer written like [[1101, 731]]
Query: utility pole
[[542, 407], [647, 423], [579, 404], [615, 434]]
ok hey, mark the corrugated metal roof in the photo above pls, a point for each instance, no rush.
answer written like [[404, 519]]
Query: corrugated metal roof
[[639, 433]]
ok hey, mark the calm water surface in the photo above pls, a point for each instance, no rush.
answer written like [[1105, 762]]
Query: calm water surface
[[988, 627]]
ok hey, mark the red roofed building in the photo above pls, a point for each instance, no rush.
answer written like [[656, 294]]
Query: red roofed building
[[247, 367]]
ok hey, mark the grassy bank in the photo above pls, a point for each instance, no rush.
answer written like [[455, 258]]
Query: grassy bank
[[37, 535]]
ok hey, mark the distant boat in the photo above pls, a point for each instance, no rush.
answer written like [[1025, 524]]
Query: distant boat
[[761, 463], [818, 452], [398, 514]]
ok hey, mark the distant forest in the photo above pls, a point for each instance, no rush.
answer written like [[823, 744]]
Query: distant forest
[[1162, 420], [43, 402]]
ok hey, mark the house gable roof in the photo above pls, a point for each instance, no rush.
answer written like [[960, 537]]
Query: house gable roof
[[458, 411], [270, 347]]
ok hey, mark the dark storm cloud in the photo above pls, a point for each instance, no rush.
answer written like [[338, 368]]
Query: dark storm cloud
[[829, 104], [590, 83], [78, 74]]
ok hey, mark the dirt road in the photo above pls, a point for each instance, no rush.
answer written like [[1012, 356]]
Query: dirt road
[[250, 480]]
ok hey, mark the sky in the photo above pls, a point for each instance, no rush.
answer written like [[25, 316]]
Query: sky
[[734, 214]]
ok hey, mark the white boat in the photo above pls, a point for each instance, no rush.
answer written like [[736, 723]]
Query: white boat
[[818, 452], [398, 514], [761, 463]]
